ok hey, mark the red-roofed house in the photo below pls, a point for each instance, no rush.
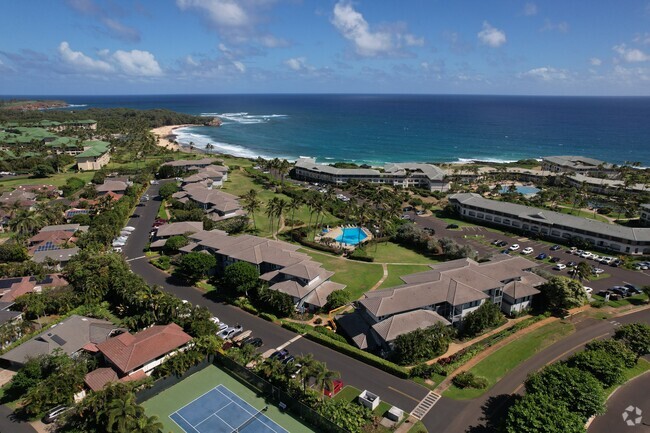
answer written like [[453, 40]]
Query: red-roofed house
[[128, 353]]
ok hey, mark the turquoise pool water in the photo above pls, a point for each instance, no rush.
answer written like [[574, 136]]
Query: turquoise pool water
[[352, 236], [525, 190]]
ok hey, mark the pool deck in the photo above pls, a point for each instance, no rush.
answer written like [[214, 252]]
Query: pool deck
[[338, 231]]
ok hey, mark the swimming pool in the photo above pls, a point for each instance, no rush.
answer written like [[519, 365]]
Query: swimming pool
[[525, 190], [351, 236]]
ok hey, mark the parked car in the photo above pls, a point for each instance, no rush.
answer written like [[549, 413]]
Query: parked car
[[541, 256], [54, 413], [230, 332], [408, 209], [420, 212], [502, 244], [616, 263], [578, 252], [496, 242], [452, 226], [288, 360], [559, 267], [606, 260], [514, 247], [595, 257], [555, 259], [620, 290], [555, 247], [505, 252], [589, 290], [571, 264], [527, 250], [255, 342], [222, 326], [129, 229], [631, 288], [279, 354], [597, 271]]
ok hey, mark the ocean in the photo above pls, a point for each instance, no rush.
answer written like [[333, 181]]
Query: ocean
[[376, 129]]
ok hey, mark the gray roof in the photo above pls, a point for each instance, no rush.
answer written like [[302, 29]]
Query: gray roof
[[576, 161], [391, 328], [8, 316], [112, 185], [318, 296], [179, 228], [430, 171], [518, 289], [311, 165], [65, 228], [62, 255], [70, 335], [190, 162], [646, 205], [539, 216]]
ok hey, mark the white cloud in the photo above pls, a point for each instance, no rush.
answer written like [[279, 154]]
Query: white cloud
[[413, 41], [355, 28], [111, 26], [271, 41], [546, 73], [631, 55], [82, 62], [549, 26], [491, 36], [239, 66], [642, 38], [298, 64], [136, 62], [595, 61], [226, 13], [190, 61], [530, 9], [120, 30]]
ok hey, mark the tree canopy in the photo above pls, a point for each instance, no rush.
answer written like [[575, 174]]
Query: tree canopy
[[486, 316], [422, 344], [636, 337], [540, 413], [195, 265], [561, 293], [240, 277]]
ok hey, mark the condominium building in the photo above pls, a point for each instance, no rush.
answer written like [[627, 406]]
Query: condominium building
[[577, 164], [404, 174], [611, 237]]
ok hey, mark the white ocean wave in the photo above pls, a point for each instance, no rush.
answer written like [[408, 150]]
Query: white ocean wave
[[491, 160], [244, 118], [184, 136]]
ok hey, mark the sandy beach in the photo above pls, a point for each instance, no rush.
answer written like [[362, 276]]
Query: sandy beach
[[163, 132]]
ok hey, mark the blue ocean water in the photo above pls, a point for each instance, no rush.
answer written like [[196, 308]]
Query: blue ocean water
[[396, 128]]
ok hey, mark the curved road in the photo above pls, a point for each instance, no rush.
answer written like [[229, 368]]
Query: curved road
[[404, 394], [634, 393]]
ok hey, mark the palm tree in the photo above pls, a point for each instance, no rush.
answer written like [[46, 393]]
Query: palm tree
[[209, 147], [581, 272], [122, 412], [283, 168], [271, 208], [147, 424], [280, 207], [26, 222], [294, 205], [325, 379], [252, 204]]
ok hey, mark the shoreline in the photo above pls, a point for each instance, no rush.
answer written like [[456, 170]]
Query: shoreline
[[165, 133]]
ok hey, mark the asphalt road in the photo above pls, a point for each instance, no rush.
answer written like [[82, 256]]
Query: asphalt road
[[453, 416], [634, 393], [8, 424], [399, 392]]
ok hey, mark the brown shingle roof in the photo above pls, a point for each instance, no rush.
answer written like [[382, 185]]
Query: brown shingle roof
[[517, 289], [128, 352], [179, 228], [97, 379], [404, 323]]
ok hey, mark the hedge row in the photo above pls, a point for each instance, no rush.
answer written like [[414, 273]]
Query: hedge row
[[347, 349], [268, 316]]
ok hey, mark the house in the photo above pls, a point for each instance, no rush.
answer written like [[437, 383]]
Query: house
[[14, 287], [406, 175], [279, 264], [112, 186], [189, 164], [387, 331], [73, 335], [18, 198], [59, 256], [451, 289], [96, 155], [553, 225], [54, 237], [133, 356], [166, 231]]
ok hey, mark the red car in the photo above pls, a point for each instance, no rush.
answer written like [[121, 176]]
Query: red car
[[337, 386]]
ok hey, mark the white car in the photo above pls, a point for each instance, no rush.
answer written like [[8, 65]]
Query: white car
[[527, 250], [597, 271], [588, 290], [118, 244], [129, 228], [606, 260], [514, 247], [586, 254], [559, 267], [595, 257]]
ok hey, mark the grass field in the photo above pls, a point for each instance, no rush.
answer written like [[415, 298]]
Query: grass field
[[56, 180], [389, 252], [499, 363], [632, 300], [583, 214], [359, 277], [172, 399], [239, 184], [396, 271]]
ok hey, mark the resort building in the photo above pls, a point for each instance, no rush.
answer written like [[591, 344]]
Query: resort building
[[279, 264], [445, 294], [554, 225], [645, 214], [578, 165], [96, 155], [190, 164], [405, 175], [210, 176], [218, 205]]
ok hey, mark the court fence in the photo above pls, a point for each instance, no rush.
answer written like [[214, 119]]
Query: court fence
[[164, 383], [277, 396]]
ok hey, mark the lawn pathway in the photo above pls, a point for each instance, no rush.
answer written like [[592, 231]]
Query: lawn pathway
[[384, 266]]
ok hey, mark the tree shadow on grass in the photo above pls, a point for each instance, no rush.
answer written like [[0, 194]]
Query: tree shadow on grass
[[494, 413]]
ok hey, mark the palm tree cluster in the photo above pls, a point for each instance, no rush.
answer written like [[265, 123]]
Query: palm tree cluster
[[25, 222], [278, 167]]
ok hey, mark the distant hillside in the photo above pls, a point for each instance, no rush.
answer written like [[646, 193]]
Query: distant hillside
[[22, 105]]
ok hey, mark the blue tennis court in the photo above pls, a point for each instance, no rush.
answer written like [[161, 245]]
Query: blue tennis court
[[222, 411]]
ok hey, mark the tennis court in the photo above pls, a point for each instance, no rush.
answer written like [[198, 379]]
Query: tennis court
[[222, 411]]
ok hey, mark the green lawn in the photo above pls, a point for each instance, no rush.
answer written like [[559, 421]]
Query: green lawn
[[239, 184], [348, 393], [56, 180], [583, 214], [499, 363], [359, 277], [192, 387], [418, 428], [389, 252], [632, 300], [396, 271], [162, 211]]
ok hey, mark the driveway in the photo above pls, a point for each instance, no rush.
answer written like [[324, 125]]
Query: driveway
[[453, 416], [10, 425], [399, 392]]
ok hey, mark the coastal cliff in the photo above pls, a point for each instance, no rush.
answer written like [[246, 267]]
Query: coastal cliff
[[215, 121], [24, 105]]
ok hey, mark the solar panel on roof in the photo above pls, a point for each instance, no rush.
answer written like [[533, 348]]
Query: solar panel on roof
[[58, 340], [47, 246]]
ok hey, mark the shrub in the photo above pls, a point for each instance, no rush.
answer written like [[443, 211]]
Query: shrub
[[268, 316], [162, 262], [467, 379], [360, 255], [175, 243], [323, 330], [425, 371], [486, 316]]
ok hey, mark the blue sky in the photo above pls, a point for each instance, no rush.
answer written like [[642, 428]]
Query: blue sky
[[551, 47]]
